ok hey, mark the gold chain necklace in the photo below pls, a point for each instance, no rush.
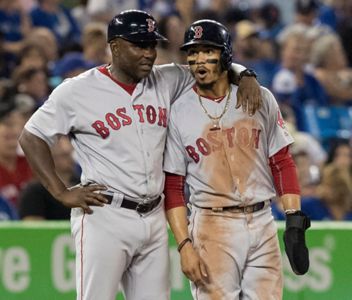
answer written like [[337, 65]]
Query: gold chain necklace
[[216, 125]]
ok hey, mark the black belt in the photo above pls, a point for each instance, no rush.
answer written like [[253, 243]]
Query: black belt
[[140, 207], [244, 209]]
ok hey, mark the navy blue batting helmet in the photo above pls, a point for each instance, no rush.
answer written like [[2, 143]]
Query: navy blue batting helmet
[[135, 26], [210, 32]]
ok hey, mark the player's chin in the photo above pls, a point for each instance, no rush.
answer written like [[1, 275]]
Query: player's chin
[[144, 70], [204, 81]]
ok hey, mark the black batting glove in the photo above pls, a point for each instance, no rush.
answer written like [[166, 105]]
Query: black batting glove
[[295, 244]]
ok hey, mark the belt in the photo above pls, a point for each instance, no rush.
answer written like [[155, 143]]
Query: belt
[[244, 209], [140, 207]]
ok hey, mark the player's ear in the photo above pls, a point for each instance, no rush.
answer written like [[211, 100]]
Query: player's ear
[[114, 46]]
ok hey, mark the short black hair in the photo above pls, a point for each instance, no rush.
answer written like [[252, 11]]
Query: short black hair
[[305, 7]]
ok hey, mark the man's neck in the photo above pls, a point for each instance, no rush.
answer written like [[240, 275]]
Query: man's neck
[[121, 76], [216, 90]]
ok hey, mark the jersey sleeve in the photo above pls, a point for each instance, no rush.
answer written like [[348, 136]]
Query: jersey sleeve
[[177, 78], [174, 155], [55, 117], [278, 135]]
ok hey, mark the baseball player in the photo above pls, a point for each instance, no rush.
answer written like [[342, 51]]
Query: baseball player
[[231, 163], [116, 116]]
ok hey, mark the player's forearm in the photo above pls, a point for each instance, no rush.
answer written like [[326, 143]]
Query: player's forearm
[[291, 202], [40, 159], [177, 218]]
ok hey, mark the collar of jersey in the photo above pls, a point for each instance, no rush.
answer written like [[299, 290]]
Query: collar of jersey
[[217, 99], [129, 88]]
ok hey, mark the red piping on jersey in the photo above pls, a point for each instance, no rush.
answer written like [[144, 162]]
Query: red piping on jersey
[[284, 172], [215, 99], [81, 254], [129, 88], [173, 190]]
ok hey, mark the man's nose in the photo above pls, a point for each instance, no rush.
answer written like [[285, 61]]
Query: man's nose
[[201, 58], [149, 51]]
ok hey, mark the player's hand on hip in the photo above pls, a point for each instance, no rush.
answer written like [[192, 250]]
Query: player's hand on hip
[[193, 266], [249, 95], [84, 197]]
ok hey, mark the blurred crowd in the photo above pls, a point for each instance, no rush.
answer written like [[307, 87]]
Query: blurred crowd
[[301, 50]]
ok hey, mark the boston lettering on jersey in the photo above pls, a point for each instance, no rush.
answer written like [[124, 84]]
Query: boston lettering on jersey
[[214, 141], [120, 118]]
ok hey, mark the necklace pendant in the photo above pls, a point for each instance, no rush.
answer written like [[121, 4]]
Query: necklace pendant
[[215, 126]]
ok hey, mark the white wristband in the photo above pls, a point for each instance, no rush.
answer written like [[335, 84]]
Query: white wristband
[[290, 211]]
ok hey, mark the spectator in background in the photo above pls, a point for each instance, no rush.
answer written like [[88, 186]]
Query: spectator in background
[[217, 6], [4, 65], [172, 27], [7, 211], [306, 11], [15, 25], [52, 15], [105, 10], [28, 4], [340, 154], [15, 172], [36, 203], [315, 152], [72, 64], [32, 56], [94, 44], [94, 53], [306, 14], [254, 52], [45, 39], [292, 84], [334, 201], [328, 13], [344, 28], [81, 15], [308, 176], [331, 68], [270, 19], [33, 82], [186, 9], [308, 173], [26, 106]]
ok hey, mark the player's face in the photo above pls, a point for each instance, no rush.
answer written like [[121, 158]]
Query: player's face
[[204, 63], [135, 59]]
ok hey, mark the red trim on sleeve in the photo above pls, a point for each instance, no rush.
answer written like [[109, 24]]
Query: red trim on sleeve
[[174, 187], [284, 172]]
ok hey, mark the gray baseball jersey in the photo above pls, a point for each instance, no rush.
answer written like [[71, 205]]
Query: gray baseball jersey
[[229, 166], [119, 138]]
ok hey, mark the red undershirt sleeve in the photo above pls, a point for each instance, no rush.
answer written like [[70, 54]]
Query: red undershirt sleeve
[[174, 191], [284, 172]]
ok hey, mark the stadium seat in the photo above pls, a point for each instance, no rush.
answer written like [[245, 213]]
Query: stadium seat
[[326, 122]]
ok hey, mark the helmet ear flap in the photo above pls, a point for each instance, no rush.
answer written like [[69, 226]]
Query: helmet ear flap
[[226, 59]]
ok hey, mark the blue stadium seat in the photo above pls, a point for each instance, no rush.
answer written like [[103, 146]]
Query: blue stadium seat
[[326, 122]]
